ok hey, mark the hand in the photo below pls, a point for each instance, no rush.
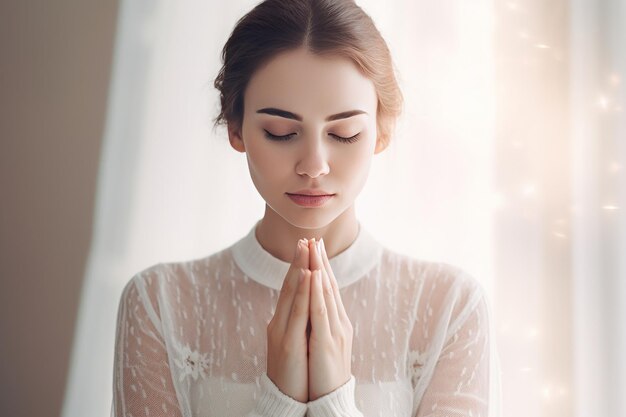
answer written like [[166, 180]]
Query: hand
[[330, 342], [287, 364]]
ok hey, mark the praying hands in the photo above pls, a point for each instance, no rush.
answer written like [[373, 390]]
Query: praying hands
[[308, 364]]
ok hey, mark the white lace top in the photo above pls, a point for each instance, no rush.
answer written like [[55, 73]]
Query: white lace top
[[191, 337]]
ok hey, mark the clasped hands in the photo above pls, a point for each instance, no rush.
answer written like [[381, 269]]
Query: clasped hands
[[308, 366]]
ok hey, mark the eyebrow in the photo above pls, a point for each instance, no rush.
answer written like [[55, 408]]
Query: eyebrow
[[289, 115]]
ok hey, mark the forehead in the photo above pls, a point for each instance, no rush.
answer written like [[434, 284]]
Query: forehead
[[312, 85]]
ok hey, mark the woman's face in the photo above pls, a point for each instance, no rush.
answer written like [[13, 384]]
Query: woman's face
[[295, 96]]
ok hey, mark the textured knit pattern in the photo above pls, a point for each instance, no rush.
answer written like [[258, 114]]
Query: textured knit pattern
[[191, 337]]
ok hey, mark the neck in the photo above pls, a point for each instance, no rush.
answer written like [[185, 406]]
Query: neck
[[279, 237]]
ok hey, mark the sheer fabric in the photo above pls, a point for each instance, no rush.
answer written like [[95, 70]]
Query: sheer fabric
[[191, 337]]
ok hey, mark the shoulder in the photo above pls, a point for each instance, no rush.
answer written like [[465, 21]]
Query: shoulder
[[146, 280], [438, 274], [138, 303], [141, 290], [175, 281], [178, 274], [445, 297], [437, 287]]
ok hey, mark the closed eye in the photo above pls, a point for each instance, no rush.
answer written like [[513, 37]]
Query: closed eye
[[275, 137], [350, 139]]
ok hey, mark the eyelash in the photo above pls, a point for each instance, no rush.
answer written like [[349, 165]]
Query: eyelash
[[351, 139]]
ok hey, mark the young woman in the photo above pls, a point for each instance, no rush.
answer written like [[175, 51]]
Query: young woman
[[308, 313]]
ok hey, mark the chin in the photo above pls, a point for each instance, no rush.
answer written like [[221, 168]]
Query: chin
[[306, 218], [310, 218]]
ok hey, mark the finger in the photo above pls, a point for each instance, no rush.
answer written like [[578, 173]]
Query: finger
[[314, 258], [301, 251], [285, 299], [328, 291], [319, 314], [331, 306], [289, 287], [301, 260], [341, 311], [299, 315]]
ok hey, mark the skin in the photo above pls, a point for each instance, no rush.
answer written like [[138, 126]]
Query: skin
[[307, 365]]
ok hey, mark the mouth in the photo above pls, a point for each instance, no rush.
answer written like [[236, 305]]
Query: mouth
[[307, 200]]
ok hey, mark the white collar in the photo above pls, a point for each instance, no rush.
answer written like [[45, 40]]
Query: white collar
[[348, 266]]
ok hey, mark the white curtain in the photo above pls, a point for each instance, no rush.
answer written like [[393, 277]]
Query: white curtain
[[560, 229], [598, 134], [452, 185]]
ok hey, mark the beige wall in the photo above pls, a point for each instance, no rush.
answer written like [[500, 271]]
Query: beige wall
[[54, 73]]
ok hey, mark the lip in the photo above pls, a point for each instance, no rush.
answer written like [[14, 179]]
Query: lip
[[310, 200], [311, 191]]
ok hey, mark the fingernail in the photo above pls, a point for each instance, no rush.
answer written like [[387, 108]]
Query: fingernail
[[301, 246], [322, 246], [318, 246]]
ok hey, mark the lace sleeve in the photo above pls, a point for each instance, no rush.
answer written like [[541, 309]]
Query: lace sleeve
[[142, 381], [459, 385]]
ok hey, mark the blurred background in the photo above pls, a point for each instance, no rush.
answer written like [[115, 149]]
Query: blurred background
[[509, 161]]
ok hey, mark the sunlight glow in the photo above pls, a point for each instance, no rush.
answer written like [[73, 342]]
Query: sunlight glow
[[614, 167], [529, 190]]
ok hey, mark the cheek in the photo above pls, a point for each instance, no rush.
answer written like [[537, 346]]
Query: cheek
[[355, 157], [264, 162], [354, 164]]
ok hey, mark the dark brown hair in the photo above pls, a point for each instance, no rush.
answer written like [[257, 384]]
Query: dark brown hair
[[325, 27]]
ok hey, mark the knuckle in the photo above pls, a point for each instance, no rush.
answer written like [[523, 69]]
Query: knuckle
[[302, 289], [328, 290], [320, 311], [298, 309], [344, 340]]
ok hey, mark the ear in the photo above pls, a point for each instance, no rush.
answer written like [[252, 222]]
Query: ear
[[235, 138], [381, 145]]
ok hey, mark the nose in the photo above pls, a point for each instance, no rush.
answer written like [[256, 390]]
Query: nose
[[313, 159]]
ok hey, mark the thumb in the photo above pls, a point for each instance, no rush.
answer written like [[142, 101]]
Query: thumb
[[301, 255]]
